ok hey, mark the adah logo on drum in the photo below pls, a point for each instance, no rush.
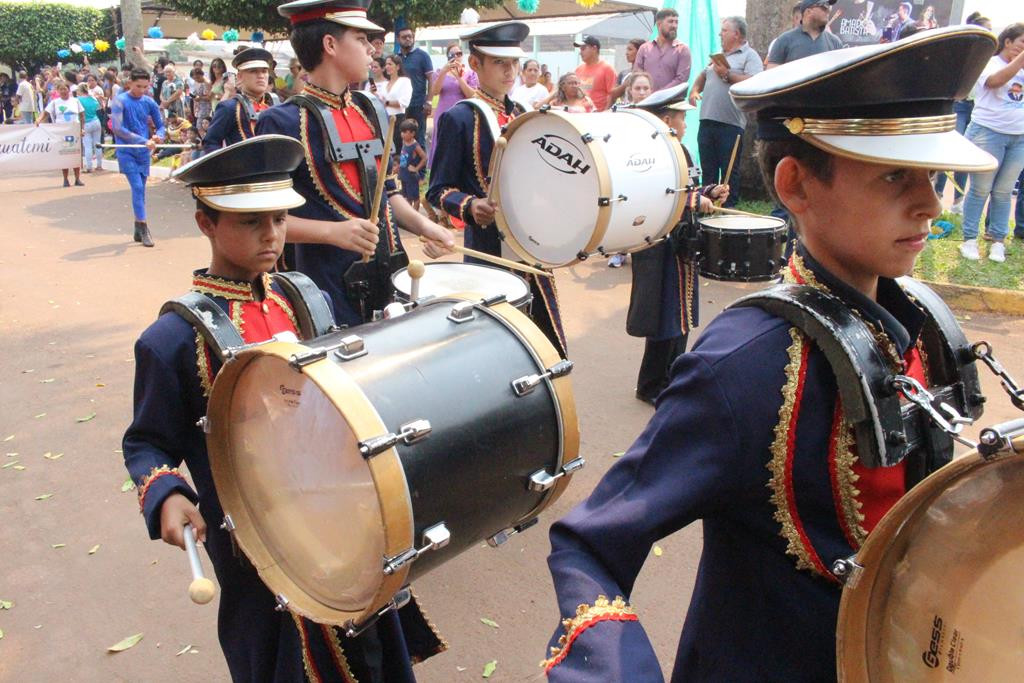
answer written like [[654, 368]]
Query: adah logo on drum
[[640, 163], [557, 152]]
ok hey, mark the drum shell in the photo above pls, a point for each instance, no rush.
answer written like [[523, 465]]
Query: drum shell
[[485, 441], [628, 156], [734, 250]]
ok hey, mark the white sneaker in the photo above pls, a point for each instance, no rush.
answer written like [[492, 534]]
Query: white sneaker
[[957, 209], [997, 252], [969, 250]]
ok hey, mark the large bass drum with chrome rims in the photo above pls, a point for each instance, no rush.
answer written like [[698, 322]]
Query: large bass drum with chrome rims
[[570, 185], [350, 464], [935, 592]]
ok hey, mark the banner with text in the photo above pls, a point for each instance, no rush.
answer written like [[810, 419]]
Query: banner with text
[[865, 22], [47, 147]]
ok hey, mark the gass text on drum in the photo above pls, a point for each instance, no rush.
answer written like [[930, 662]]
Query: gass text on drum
[[931, 656], [559, 155]]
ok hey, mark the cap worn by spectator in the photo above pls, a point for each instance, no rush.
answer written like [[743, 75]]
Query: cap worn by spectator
[[588, 40]]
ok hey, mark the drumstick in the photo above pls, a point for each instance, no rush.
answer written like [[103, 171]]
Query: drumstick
[[497, 260], [416, 270], [382, 176], [737, 212], [201, 590], [160, 146], [732, 160], [499, 148]]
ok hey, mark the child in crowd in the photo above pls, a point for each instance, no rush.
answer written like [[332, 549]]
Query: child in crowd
[[411, 161]]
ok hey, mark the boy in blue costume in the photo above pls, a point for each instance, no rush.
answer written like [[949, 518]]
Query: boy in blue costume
[[243, 195], [750, 435]]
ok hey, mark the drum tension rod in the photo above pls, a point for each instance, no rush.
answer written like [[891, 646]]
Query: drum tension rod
[[607, 201], [952, 422], [347, 348], [408, 434], [434, 538], [502, 536], [999, 437], [542, 481], [400, 600], [847, 570], [526, 384], [983, 352]]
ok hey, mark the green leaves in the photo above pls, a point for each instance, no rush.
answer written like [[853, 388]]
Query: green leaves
[[86, 418], [488, 622], [33, 32], [489, 668], [121, 646]]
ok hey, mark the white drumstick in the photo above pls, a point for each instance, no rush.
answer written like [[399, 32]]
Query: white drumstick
[[416, 270], [201, 590], [159, 146]]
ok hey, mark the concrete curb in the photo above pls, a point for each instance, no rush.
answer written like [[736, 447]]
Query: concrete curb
[[980, 299]]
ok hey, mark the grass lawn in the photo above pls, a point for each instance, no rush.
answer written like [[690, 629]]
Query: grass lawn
[[941, 261]]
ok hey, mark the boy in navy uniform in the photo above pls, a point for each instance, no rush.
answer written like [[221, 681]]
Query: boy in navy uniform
[[750, 435], [243, 195], [234, 119], [664, 301], [465, 138], [341, 131]]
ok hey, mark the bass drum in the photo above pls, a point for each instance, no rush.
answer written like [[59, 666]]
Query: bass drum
[[569, 185], [351, 464], [936, 591], [443, 279]]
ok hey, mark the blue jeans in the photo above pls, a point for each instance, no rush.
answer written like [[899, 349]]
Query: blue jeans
[[1018, 230], [1009, 152], [91, 138], [715, 141], [962, 109]]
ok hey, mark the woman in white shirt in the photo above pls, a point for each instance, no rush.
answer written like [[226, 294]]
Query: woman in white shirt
[[997, 126], [395, 93], [66, 109], [376, 82], [530, 93]]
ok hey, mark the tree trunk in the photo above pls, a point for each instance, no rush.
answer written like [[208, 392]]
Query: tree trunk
[[131, 20], [766, 20]]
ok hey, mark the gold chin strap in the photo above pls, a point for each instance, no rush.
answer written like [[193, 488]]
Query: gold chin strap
[[910, 126], [242, 188]]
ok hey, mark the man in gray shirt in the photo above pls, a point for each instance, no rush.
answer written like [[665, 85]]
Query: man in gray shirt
[[809, 38], [721, 123]]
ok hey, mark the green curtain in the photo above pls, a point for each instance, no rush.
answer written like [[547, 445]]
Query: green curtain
[[698, 28]]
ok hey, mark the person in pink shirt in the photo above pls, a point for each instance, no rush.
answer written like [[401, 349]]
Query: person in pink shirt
[[665, 58], [597, 77]]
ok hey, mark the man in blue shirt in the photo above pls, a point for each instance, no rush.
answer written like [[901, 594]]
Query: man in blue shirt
[[418, 68]]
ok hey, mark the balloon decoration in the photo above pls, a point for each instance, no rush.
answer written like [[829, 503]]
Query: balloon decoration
[[155, 32], [529, 6], [230, 36], [76, 48], [208, 34], [469, 16], [120, 44], [101, 45], [64, 53], [258, 37], [588, 3], [88, 48]]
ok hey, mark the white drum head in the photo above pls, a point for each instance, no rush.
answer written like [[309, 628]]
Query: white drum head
[[743, 223], [443, 279], [296, 464], [940, 596]]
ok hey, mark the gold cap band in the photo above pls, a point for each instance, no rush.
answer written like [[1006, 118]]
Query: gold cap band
[[241, 188], [911, 126]]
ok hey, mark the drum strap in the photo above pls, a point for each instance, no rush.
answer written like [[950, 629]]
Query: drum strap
[[249, 111], [887, 432], [313, 315], [208, 319], [490, 118]]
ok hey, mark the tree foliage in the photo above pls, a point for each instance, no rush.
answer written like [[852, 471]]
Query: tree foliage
[[261, 15], [33, 32]]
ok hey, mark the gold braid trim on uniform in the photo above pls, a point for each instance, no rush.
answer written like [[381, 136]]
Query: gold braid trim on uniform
[[846, 480], [443, 647], [587, 616], [311, 167], [307, 661], [285, 306], [785, 438], [237, 320], [225, 289], [154, 474], [337, 653], [203, 366], [478, 152]]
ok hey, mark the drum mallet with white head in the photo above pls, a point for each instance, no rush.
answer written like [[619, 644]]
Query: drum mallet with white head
[[416, 270], [201, 590]]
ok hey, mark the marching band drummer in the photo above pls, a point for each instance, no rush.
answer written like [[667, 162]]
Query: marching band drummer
[[664, 300], [235, 119], [243, 194], [462, 157], [750, 435], [342, 131]]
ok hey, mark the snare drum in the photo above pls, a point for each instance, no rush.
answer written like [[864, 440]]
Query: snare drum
[[443, 279], [352, 463], [570, 185], [935, 592], [742, 248]]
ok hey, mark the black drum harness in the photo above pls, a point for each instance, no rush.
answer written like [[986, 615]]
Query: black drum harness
[[369, 283]]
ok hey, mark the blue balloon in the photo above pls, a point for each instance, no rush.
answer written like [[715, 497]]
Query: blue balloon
[[258, 37], [88, 47], [64, 53], [155, 32]]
